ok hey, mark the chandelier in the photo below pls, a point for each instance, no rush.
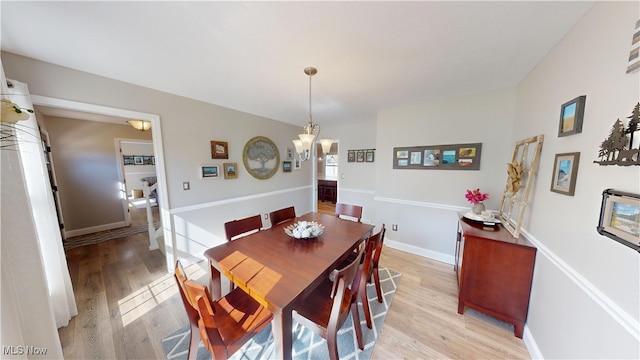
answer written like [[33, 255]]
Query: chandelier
[[311, 130]]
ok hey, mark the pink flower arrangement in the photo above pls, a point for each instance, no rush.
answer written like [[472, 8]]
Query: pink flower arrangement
[[475, 196]]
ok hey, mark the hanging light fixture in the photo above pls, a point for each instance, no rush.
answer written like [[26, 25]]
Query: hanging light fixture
[[311, 130], [142, 125]]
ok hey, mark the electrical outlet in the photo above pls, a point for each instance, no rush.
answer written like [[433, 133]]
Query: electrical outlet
[[394, 227], [185, 185], [266, 216]]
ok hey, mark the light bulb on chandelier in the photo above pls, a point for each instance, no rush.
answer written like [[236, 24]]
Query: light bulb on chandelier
[[311, 131]]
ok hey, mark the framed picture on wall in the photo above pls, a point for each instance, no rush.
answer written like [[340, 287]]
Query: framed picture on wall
[[137, 160], [219, 150], [369, 157], [209, 171], [571, 114], [565, 173], [230, 170], [619, 217], [286, 166]]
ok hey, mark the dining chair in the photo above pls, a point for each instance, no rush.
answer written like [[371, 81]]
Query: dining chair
[[325, 310], [353, 211], [373, 269], [192, 312], [370, 273], [228, 323], [233, 229], [282, 215]]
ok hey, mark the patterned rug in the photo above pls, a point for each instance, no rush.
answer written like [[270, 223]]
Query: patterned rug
[[306, 345], [94, 238]]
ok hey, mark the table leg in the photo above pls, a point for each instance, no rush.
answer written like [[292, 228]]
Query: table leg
[[215, 286], [282, 334]]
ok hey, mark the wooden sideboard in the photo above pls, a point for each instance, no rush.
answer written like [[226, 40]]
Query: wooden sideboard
[[494, 271]]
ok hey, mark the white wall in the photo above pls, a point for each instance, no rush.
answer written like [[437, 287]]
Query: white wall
[[424, 203], [586, 293]]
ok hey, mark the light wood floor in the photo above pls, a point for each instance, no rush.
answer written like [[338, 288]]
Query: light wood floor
[[127, 303]]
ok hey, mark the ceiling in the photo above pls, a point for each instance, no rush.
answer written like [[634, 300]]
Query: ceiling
[[250, 56]]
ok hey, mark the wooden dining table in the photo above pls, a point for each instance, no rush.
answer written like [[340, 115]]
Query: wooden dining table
[[277, 270]]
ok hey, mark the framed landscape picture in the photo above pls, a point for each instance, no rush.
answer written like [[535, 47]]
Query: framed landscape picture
[[571, 114], [565, 173], [209, 171], [620, 217], [230, 170]]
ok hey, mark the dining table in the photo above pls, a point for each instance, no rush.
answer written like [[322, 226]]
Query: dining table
[[278, 270]]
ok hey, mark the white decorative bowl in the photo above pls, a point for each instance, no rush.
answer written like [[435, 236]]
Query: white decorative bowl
[[304, 230]]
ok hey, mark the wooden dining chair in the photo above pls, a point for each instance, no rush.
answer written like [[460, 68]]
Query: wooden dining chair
[[227, 324], [327, 308], [192, 311], [373, 269], [282, 215], [236, 228], [354, 211], [370, 273]]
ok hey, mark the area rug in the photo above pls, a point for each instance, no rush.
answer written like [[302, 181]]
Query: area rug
[[94, 238], [306, 344]]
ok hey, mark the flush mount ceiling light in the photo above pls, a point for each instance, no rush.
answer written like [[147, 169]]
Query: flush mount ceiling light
[[311, 130], [142, 125]]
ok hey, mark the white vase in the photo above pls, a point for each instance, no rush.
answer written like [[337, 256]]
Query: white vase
[[477, 208]]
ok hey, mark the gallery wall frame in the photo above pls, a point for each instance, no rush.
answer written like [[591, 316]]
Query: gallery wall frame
[[209, 171], [261, 157], [438, 157], [361, 155], [565, 173], [571, 116], [620, 217], [286, 166], [230, 170], [138, 160], [219, 149]]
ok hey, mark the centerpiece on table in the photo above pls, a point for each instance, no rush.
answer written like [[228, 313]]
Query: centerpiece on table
[[304, 230]]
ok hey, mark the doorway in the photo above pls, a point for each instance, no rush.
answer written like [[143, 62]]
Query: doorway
[[90, 110], [327, 178]]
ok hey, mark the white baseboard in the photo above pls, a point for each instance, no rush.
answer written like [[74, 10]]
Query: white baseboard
[[94, 229], [434, 255], [530, 343]]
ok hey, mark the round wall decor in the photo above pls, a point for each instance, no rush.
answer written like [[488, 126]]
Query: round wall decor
[[261, 157]]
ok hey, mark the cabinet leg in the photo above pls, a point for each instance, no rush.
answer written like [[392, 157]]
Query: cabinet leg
[[460, 307], [518, 329]]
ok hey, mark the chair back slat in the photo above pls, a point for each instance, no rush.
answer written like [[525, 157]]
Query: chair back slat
[[354, 211], [282, 215], [235, 228], [191, 307]]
